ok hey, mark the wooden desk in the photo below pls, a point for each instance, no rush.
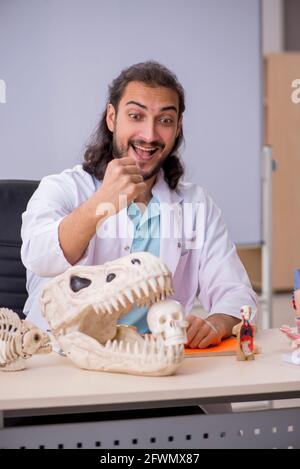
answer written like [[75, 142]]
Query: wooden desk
[[51, 384]]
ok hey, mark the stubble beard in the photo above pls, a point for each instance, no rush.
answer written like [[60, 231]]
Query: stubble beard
[[119, 152]]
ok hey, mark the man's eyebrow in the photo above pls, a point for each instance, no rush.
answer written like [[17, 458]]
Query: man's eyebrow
[[163, 109], [169, 108], [136, 104]]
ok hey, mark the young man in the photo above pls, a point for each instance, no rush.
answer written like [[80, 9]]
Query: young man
[[131, 178]]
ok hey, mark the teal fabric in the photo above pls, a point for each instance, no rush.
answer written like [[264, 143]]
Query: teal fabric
[[146, 238]]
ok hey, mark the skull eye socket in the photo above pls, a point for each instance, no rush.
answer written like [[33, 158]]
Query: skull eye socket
[[162, 320], [36, 337], [135, 261], [176, 316], [110, 277], [78, 283]]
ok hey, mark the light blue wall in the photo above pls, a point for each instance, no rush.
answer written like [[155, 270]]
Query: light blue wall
[[58, 56]]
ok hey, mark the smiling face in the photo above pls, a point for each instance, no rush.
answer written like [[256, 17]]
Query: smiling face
[[145, 125]]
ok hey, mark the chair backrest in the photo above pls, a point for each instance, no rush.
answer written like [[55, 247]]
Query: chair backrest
[[14, 196]]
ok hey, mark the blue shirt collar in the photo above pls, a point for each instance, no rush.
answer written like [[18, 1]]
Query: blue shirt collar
[[151, 211]]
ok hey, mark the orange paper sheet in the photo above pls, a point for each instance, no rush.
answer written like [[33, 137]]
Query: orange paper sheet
[[226, 347]]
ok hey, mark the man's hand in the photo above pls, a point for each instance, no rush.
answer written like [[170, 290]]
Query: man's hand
[[122, 176], [204, 332]]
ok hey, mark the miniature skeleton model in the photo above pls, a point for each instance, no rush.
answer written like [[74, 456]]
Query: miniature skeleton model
[[84, 304], [19, 340], [245, 336], [294, 338], [296, 298], [293, 334]]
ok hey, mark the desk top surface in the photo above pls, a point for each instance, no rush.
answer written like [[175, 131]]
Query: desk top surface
[[53, 381]]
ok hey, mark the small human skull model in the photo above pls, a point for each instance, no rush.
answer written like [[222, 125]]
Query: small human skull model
[[166, 321], [83, 306], [19, 340]]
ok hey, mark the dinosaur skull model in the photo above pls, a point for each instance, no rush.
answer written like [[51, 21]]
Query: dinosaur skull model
[[18, 340], [84, 304]]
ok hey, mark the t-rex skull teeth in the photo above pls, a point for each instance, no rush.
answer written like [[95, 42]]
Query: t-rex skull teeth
[[123, 357], [83, 305]]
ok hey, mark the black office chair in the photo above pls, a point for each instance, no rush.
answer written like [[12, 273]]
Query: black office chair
[[14, 196]]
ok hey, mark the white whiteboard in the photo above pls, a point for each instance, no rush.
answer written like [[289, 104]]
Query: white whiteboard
[[57, 58]]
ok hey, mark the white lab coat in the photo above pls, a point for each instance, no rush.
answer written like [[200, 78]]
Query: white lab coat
[[194, 243]]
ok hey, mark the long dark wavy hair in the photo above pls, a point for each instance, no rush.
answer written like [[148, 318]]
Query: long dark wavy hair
[[99, 151]]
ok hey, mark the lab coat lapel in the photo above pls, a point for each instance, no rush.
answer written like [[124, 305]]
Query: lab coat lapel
[[170, 222]]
